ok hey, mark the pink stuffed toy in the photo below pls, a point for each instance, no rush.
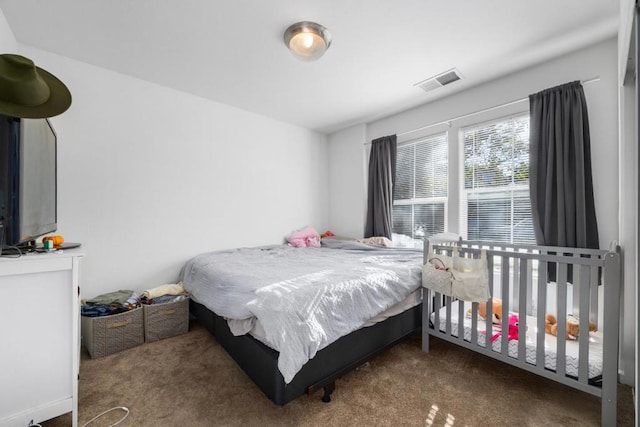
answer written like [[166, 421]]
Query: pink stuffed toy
[[304, 237], [513, 329]]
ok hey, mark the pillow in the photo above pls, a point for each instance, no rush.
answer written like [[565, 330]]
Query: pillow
[[304, 237]]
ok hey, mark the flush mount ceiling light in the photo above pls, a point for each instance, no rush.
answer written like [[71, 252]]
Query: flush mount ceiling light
[[307, 40]]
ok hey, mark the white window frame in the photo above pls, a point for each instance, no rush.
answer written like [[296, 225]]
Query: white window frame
[[427, 200], [463, 192]]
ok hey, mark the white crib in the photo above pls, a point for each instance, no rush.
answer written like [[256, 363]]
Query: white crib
[[586, 283]]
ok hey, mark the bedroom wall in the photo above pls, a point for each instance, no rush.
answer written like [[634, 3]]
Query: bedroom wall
[[149, 177], [599, 60], [347, 199], [8, 42]]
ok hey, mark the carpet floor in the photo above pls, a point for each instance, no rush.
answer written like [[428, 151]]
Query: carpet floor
[[189, 380]]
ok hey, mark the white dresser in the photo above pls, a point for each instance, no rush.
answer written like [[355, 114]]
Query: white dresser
[[40, 352]]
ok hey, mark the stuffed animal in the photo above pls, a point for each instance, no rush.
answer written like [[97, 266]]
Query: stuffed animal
[[513, 329], [496, 311], [573, 326]]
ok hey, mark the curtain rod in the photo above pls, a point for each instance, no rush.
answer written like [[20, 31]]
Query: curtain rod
[[506, 104]]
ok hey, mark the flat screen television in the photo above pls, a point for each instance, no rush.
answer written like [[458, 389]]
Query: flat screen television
[[28, 181]]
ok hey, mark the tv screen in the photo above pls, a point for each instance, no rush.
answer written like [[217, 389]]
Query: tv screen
[[28, 181]]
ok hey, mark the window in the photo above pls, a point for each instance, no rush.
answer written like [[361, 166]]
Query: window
[[495, 197], [420, 196]]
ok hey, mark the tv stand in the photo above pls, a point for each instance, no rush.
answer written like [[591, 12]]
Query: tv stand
[[30, 247], [41, 355]]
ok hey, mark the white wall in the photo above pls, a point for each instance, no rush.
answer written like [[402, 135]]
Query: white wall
[[600, 60], [8, 42], [149, 177], [347, 198]]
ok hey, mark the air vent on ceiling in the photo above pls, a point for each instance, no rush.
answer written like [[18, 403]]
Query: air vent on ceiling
[[439, 80]]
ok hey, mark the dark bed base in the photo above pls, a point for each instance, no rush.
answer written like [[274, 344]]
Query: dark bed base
[[260, 362]]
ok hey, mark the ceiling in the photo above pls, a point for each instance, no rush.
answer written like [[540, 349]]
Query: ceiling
[[231, 51]]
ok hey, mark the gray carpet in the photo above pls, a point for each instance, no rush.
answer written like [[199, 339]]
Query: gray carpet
[[189, 380]]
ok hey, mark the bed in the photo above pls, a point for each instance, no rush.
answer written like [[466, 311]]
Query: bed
[[296, 319], [532, 282]]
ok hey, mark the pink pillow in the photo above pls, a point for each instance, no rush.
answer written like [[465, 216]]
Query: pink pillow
[[306, 236]]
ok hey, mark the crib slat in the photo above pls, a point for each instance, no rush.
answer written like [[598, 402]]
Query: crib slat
[[474, 323], [593, 310], [583, 336], [522, 310], [427, 306], [530, 267], [437, 304], [504, 346], [448, 318], [561, 280], [575, 300], [542, 310], [515, 280], [460, 320], [488, 326]]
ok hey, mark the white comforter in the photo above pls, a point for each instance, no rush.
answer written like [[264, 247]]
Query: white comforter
[[306, 298]]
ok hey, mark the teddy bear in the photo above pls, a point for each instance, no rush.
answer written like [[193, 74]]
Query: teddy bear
[[496, 313], [573, 326], [496, 310]]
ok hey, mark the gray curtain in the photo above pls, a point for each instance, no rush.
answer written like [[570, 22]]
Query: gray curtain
[[560, 181], [382, 175]]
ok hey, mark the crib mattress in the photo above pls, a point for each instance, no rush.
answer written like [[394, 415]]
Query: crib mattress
[[550, 359]]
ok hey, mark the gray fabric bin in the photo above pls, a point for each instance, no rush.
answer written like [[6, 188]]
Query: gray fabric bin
[[166, 320], [105, 335]]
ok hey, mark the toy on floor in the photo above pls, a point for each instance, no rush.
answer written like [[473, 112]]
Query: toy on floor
[[573, 326]]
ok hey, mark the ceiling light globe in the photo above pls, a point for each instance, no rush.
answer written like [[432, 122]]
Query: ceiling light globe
[[307, 40]]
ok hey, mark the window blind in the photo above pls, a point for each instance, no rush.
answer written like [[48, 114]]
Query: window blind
[[421, 187], [496, 204]]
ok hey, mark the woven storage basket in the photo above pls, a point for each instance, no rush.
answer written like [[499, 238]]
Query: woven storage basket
[[102, 336], [166, 320]]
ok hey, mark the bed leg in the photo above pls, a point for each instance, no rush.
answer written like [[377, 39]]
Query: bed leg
[[328, 389]]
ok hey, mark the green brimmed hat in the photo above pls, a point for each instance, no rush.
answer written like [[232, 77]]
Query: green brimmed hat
[[27, 91]]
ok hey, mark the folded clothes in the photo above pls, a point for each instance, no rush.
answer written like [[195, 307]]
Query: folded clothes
[[101, 310], [164, 299], [118, 297], [170, 289]]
